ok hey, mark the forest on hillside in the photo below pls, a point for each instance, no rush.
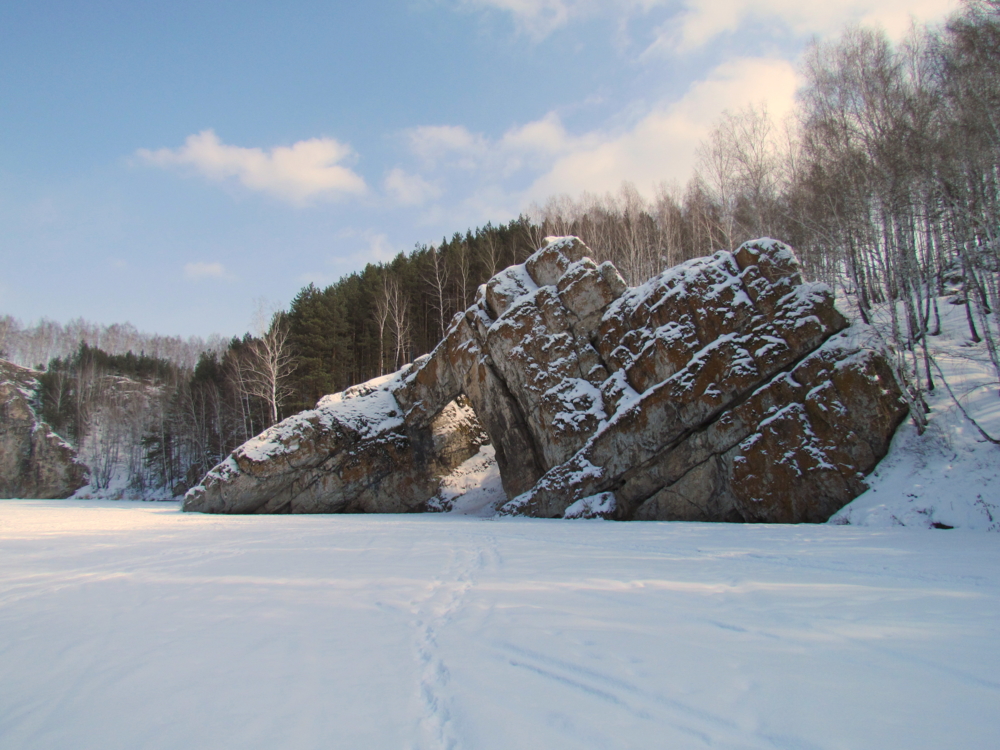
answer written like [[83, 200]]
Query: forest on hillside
[[886, 181]]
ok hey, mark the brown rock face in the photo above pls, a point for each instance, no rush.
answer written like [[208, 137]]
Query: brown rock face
[[34, 461], [720, 390]]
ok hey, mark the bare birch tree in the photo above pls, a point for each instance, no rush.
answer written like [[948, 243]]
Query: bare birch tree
[[382, 307], [437, 277], [399, 315], [271, 360]]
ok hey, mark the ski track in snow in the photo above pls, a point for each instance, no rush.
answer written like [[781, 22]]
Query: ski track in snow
[[703, 725]]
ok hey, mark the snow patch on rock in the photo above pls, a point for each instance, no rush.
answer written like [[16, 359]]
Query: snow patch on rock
[[368, 409], [601, 505]]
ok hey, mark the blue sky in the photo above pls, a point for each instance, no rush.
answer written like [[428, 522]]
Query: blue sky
[[168, 164]]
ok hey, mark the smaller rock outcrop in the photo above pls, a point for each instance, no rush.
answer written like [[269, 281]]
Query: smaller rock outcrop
[[353, 453], [34, 461]]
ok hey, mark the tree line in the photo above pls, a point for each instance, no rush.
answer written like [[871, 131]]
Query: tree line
[[147, 424], [36, 345]]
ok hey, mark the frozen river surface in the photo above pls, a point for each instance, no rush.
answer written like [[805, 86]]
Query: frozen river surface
[[133, 626]]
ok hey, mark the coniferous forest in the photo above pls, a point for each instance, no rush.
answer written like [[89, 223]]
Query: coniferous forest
[[886, 181]]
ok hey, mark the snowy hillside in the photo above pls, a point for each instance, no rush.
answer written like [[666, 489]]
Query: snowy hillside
[[133, 626], [950, 476]]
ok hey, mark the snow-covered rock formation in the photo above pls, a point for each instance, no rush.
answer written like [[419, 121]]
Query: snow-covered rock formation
[[353, 453], [721, 390], [34, 461]]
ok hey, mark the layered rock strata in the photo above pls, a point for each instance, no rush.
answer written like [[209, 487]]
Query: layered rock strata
[[34, 461], [723, 389]]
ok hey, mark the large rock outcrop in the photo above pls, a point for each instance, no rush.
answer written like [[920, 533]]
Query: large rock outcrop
[[724, 389], [34, 461]]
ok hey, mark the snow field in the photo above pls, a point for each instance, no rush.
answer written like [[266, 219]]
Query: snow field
[[132, 625]]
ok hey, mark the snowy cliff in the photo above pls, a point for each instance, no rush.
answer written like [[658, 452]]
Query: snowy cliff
[[34, 461]]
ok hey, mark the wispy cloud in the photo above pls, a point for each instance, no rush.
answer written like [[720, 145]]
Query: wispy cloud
[[379, 249], [432, 143], [691, 24], [701, 21], [299, 173], [657, 147], [409, 189], [355, 249], [201, 270], [455, 146], [538, 18]]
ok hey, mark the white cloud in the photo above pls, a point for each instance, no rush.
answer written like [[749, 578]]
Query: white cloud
[[661, 146], [694, 23], [409, 189], [703, 20], [657, 147], [200, 270], [297, 173]]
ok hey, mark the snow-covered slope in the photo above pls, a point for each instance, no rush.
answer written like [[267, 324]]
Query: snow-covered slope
[[133, 626], [950, 475]]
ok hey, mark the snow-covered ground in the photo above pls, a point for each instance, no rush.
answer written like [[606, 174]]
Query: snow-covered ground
[[473, 488], [134, 626]]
